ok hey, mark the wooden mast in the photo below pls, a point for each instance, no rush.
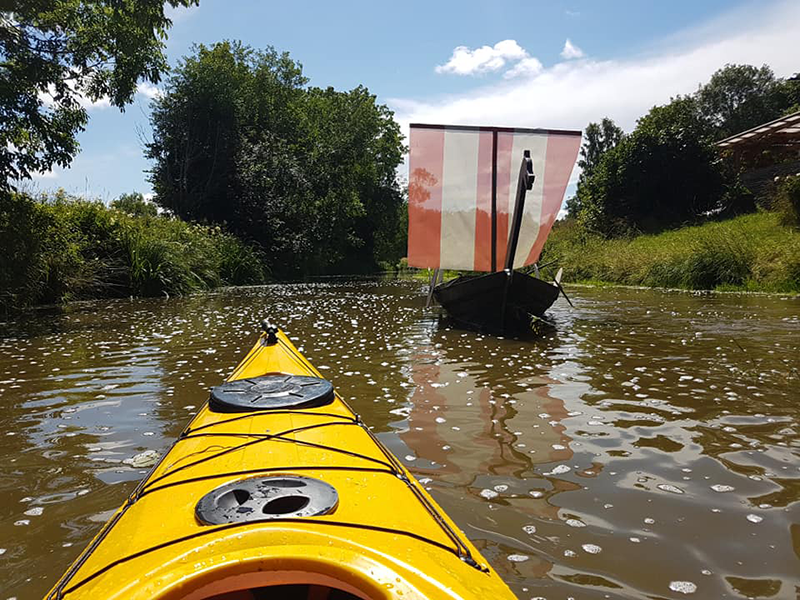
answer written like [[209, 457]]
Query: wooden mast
[[494, 200], [524, 183]]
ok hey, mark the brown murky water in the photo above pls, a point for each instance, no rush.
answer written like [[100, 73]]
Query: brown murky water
[[651, 442]]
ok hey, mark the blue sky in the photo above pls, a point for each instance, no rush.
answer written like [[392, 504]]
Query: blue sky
[[501, 63]]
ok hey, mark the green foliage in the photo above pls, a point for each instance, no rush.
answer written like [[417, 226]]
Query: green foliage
[[667, 172], [135, 204], [56, 249], [307, 173], [663, 174], [739, 97], [787, 201], [750, 252], [55, 55], [598, 138]]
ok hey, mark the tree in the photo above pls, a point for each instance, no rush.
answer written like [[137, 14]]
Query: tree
[[789, 94], [665, 173], [213, 100], [135, 204], [739, 97], [599, 138], [307, 173], [60, 53]]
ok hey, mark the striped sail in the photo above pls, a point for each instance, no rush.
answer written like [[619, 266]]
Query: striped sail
[[452, 172]]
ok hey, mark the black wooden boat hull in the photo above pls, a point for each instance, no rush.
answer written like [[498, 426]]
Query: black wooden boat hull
[[494, 304]]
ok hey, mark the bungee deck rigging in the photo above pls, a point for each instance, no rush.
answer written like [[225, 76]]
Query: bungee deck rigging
[[379, 534]]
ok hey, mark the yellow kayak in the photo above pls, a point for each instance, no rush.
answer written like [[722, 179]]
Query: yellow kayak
[[276, 489]]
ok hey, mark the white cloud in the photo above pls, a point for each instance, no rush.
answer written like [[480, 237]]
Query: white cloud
[[571, 94], [527, 67], [47, 97], [571, 51], [147, 89], [144, 88], [178, 14], [50, 174], [572, 13], [484, 59]]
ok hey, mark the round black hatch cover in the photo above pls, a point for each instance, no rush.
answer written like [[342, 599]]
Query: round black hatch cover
[[265, 498], [270, 392]]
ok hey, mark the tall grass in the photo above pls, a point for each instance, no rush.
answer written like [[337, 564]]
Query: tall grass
[[55, 249], [753, 252]]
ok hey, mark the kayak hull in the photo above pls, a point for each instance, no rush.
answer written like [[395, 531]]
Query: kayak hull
[[385, 538]]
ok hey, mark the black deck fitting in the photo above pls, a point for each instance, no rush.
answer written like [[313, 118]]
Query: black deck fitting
[[271, 331]]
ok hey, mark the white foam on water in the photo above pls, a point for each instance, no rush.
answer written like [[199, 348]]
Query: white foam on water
[[592, 548], [752, 518], [500, 488], [489, 494], [575, 523], [722, 488], [559, 470], [35, 511], [518, 557], [669, 488], [683, 587], [529, 529]]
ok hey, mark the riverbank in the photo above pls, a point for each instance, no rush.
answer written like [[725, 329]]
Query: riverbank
[[753, 252], [57, 249]]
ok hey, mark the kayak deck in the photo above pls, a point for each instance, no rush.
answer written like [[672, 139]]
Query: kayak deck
[[384, 536]]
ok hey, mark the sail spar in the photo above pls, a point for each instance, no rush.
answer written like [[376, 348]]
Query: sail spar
[[461, 188]]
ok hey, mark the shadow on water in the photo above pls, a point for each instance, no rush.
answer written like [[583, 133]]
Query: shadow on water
[[650, 439]]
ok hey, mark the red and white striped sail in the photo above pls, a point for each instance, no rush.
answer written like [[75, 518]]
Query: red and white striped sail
[[451, 174]]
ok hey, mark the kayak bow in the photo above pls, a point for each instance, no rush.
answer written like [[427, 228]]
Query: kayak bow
[[276, 489]]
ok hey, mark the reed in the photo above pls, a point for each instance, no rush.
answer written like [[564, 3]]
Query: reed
[[54, 249], [754, 252]]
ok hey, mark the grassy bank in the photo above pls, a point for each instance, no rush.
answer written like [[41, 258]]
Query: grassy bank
[[56, 249], [754, 252]]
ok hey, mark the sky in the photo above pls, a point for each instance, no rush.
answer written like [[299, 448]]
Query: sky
[[533, 63]]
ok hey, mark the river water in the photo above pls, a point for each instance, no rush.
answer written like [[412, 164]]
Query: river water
[[648, 447]]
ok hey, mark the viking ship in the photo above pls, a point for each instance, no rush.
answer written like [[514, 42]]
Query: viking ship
[[482, 200]]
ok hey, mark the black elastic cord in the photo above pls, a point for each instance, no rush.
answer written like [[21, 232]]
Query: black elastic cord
[[151, 490], [463, 550], [242, 446], [304, 521], [251, 415]]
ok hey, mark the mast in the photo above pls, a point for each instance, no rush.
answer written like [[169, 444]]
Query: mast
[[524, 183], [494, 200]]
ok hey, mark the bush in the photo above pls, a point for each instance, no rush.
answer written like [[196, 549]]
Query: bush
[[135, 204], [658, 177], [56, 249], [748, 252], [787, 201], [718, 258]]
